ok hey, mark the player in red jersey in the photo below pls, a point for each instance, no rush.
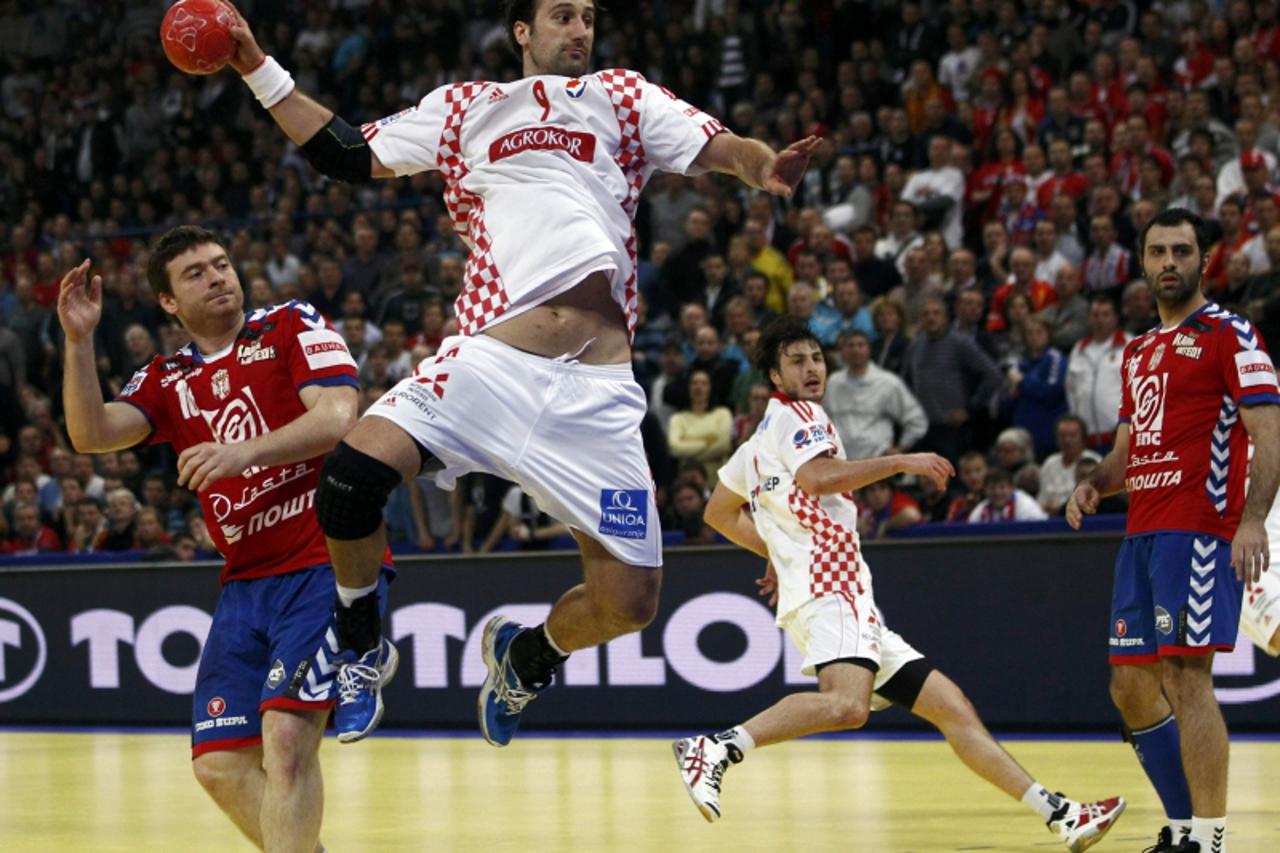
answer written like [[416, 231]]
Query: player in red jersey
[[1196, 390], [252, 404], [542, 179]]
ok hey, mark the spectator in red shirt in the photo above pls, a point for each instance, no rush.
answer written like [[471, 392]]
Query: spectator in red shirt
[[30, 536], [1022, 268], [1126, 162], [148, 530], [1080, 91], [1018, 211], [428, 341], [1234, 236], [985, 188], [1025, 110], [45, 286], [1064, 177], [1143, 103], [1266, 34], [973, 474], [1195, 65], [1107, 91], [823, 242], [886, 509]]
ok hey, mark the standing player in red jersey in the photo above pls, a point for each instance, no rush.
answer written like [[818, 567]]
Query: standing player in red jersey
[[1196, 390], [252, 404], [542, 178]]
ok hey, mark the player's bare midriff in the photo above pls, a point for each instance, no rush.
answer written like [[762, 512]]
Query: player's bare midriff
[[584, 314]]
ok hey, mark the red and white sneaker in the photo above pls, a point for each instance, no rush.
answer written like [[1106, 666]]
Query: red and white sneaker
[[1082, 825], [703, 761]]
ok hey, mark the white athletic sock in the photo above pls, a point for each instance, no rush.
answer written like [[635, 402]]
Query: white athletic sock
[[1211, 832], [1180, 829], [1042, 801], [551, 641], [739, 737], [348, 595]]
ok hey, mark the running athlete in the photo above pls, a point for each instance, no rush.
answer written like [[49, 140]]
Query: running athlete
[[252, 404], [542, 178], [1196, 389], [786, 494]]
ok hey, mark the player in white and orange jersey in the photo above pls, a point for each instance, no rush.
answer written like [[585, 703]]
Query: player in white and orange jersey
[[786, 494], [542, 177]]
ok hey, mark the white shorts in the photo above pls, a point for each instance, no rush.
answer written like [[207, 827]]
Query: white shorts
[[832, 628], [567, 433], [1260, 612]]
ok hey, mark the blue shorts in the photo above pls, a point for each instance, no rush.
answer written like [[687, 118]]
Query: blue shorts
[[267, 648], [1174, 594]]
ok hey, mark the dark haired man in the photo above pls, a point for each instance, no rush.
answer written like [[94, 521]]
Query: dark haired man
[[542, 178], [1196, 389], [251, 446], [785, 496]]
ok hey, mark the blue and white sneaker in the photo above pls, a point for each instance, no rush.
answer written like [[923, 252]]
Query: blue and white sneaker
[[503, 696], [360, 684]]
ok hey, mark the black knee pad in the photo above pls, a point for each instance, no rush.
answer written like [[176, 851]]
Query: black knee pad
[[353, 489], [907, 683]]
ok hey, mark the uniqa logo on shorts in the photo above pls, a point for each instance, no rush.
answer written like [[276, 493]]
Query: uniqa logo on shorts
[[624, 512]]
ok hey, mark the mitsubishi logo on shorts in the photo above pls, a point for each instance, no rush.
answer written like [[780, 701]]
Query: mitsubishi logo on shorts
[[216, 706], [23, 651], [435, 383]]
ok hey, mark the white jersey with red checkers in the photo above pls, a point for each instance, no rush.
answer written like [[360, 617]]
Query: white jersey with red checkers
[[1188, 452], [813, 540], [261, 520], [542, 178]]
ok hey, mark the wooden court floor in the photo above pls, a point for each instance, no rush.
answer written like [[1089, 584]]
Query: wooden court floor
[[135, 792]]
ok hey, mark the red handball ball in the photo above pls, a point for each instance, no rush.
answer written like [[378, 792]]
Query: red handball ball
[[196, 35]]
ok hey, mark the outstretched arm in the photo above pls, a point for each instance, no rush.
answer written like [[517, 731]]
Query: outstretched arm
[[300, 117], [94, 426], [756, 164], [827, 475]]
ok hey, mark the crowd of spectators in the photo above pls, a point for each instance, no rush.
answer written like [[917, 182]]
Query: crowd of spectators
[[963, 244]]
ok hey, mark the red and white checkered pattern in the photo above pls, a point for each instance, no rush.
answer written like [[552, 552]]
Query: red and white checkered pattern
[[625, 89], [833, 557], [453, 169], [483, 298]]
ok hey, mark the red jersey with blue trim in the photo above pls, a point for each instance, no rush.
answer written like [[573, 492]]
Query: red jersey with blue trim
[[262, 520], [1188, 451]]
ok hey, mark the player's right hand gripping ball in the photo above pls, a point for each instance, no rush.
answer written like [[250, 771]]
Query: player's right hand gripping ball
[[196, 35]]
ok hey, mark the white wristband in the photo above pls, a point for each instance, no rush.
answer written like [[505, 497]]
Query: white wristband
[[269, 82]]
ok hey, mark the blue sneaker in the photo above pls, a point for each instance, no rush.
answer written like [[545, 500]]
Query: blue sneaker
[[360, 684], [503, 696]]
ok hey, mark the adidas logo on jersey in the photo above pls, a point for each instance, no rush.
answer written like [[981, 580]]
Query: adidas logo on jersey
[[497, 95]]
